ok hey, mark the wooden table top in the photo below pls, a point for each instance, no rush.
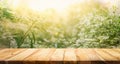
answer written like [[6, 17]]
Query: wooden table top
[[59, 56]]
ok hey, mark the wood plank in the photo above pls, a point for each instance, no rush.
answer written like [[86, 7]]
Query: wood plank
[[46, 54], [92, 55], [42, 56], [3, 50], [82, 58], [2, 61], [18, 51], [117, 50], [105, 56], [70, 56], [113, 53], [22, 55], [94, 58], [57, 57], [6, 53]]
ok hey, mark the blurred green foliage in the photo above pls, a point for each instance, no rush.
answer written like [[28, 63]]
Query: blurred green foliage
[[87, 25]]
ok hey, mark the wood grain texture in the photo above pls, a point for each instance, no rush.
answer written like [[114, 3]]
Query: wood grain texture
[[22, 55], [113, 53], [7, 53], [70, 56], [59, 56], [105, 56], [42, 55], [82, 58]]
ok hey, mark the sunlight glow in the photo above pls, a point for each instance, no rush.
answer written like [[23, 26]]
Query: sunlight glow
[[58, 5], [42, 5]]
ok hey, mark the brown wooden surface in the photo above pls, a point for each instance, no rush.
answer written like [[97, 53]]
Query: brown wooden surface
[[59, 56]]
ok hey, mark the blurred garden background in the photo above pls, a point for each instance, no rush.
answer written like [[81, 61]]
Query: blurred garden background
[[59, 23]]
